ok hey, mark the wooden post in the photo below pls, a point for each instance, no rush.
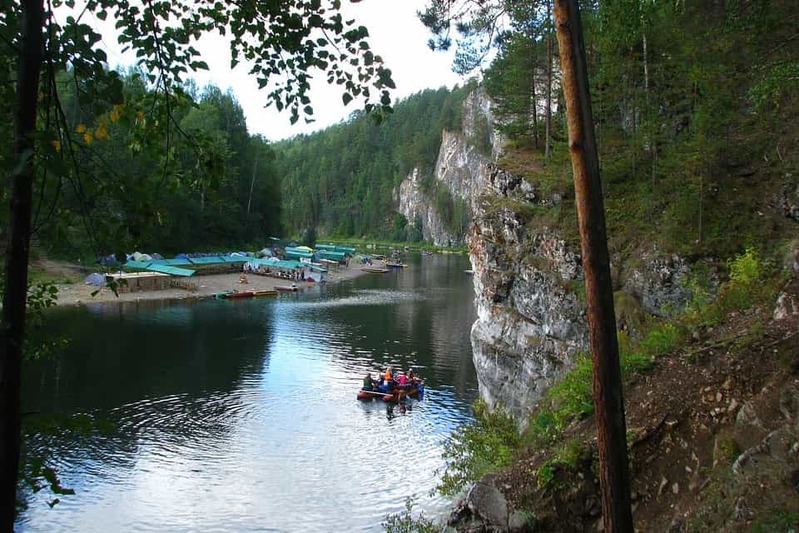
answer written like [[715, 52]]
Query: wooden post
[[608, 398]]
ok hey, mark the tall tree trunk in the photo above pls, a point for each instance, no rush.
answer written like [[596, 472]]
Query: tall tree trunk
[[548, 117], [252, 182], [533, 101], [608, 398], [12, 331], [646, 68]]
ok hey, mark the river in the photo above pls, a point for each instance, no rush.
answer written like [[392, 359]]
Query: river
[[228, 416]]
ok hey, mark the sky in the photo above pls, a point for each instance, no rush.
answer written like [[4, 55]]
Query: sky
[[396, 34]]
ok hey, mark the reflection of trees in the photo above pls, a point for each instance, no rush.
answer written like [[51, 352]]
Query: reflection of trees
[[156, 374], [429, 326], [128, 352]]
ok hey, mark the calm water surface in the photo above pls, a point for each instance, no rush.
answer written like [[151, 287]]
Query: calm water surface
[[227, 416]]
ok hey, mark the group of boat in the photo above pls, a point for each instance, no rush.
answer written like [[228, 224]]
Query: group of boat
[[384, 265]]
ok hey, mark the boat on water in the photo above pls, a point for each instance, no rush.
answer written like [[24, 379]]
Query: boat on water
[[396, 265], [375, 270], [415, 391], [249, 293]]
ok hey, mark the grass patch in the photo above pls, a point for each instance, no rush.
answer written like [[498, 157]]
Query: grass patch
[[568, 455], [661, 339], [777, 520]]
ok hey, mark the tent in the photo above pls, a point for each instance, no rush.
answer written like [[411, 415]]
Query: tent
[[96, 279], [107, 260]]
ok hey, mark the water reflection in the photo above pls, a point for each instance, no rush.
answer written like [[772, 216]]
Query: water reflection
[[241, 416]]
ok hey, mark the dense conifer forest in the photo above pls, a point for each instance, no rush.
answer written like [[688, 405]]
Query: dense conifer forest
[[692, 105], [341, 181]]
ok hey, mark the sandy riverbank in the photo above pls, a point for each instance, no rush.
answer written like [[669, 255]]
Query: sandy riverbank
[[79, 293]]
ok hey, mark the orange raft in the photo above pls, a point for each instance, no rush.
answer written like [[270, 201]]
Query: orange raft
[[397, 395]]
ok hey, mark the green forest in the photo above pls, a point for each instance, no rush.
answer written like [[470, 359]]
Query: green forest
[[694, 106], [690, 101], [341, 181], [122, 181], [133, 171]]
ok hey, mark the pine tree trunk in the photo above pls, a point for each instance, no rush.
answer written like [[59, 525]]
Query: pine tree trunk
[[548, 117], [608, 398], [12, 330], [533, 104]]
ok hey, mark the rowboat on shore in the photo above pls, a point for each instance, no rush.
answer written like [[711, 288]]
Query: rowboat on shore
[[249, 293], [287, 288], [375, 270]]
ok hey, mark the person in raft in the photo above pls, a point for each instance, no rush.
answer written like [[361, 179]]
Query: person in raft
[[402, 381], [368, 382], [387, 382]]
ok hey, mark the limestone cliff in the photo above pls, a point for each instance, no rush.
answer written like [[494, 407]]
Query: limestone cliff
[[527, 275], [530, 321], [457, 172]]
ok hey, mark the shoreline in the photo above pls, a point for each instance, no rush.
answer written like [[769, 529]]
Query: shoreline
[[79, 293]]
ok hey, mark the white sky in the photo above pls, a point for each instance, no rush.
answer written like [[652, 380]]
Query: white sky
[[395, 33]]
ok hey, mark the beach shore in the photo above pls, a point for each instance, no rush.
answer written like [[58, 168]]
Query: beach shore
[[79, 293]]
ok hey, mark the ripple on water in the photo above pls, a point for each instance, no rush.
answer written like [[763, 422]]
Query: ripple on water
[[283, 445]]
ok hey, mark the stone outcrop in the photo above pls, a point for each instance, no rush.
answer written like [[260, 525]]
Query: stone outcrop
[[485, 509], [528, 281], [457, 171], [530, 322]]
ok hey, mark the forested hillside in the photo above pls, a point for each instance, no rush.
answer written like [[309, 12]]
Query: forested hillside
[[141, 173], [341, 181], [693, 106], [133, 171]]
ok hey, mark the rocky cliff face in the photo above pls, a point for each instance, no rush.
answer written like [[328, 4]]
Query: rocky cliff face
[[531, 320], [457, 171]]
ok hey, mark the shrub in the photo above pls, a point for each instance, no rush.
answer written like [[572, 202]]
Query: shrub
[[661, 339], [405, 522], [487, 444], [572, 396]]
